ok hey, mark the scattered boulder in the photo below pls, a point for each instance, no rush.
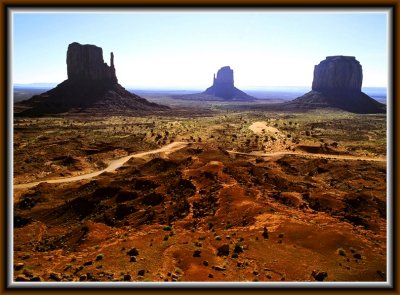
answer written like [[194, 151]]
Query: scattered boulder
[[133, 259], [197, 253], [55, 277], [265, 233], [223, 250], [133, 252], [21, 278], [319, 276]]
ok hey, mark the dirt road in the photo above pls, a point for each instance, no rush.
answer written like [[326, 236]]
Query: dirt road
[[115, 164]]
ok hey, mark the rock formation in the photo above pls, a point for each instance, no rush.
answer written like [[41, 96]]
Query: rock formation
[[338, 74], [224, 88], [85, 62], [337, 84], [92, 86]]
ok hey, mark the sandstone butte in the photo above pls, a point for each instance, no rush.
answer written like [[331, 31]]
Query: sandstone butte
[[223, 86], [92, 86], [337, 83]]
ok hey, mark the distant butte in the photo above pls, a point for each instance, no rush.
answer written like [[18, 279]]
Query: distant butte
[[223, 86], [337, 84], [92, 86]]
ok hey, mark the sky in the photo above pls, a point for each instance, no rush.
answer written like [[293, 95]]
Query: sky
[[182, 49]]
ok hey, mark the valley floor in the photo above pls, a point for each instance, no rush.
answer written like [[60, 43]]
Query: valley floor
[[223, 196]]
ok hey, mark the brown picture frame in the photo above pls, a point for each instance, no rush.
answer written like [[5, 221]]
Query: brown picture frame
[[6, 5]]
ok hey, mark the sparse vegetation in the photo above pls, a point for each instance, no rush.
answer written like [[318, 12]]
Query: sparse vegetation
[[247, 203]]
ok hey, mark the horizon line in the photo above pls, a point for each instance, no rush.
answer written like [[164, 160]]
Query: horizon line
[[181, 87]]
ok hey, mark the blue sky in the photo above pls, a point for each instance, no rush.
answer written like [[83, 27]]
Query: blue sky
[[183, 48]]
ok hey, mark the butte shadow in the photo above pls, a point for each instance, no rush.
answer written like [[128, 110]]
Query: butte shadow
[[92, 87]]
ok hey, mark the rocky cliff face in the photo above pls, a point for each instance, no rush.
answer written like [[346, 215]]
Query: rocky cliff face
[[92, 86], [224, 76], [223, 86], [338, 73], [337, 84], [85, 62]]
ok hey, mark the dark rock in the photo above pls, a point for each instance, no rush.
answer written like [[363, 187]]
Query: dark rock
[[20, 221], [381, 274], [205, 263], [223, 250], [196, 253], [87, 263], [224, 88], [133, 252], [238, 249], [133, 259], [357, 256], [27, 273], [265, 233], [99, 257], [141, 272], [337, 84], [19, 266], [21, 278], [219, 268], [35, 279], [91, 86], [319, 276], [127, 277], [55, 277]]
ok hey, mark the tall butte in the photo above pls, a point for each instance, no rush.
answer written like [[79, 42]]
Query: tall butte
[[92, 86], [337, 84], [223, 86]]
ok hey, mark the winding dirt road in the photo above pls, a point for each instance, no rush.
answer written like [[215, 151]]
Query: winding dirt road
[[115, 164], [170, 148]]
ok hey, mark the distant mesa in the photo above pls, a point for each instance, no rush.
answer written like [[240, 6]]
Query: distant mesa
[[92, 86], [337, 84], [224, 87]]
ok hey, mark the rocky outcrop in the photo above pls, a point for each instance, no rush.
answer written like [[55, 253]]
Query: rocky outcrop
[[223, 86], [338, 74], [92, 86], [85, 62], [337, 84]]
